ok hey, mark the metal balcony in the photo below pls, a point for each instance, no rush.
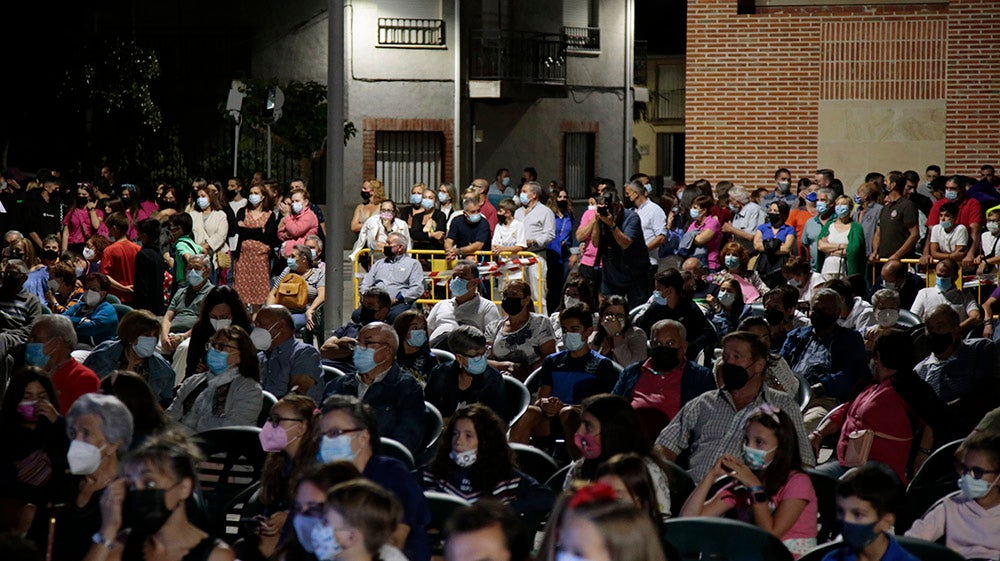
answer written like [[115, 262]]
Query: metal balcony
[[582, 39], [408, 32], [516, 64]]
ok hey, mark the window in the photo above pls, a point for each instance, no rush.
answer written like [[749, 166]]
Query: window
[[410, 23], [421, 9], [670, 155], [580, 28], [669, 95], [404, 158], [579, 155]]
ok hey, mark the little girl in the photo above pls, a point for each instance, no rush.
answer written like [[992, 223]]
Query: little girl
[[770, 489], [360, 517]]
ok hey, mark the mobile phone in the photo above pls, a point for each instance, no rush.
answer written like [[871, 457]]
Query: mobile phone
[[603, 210]]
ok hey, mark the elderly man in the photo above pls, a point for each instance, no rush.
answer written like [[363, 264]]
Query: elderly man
[[49, 346], [398, 274], [182, 313], [489, 211], [868, 211], [963, 372], [696, 284], [467, 232], [18, 307], [829, 356], [395, 396], [539, 230], [945, 291], [469, 379], [465, 307], [665, 382], [285, 362], [747, 215], [338, 349], [347, 418], [652, 218], [709, 425], [897, 276]]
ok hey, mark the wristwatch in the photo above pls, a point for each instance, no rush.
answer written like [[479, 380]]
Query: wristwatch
[[98, 539], [758, 494]]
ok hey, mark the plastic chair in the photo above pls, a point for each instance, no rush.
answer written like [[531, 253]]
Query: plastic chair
[[722, 539], [804, 394], [121, 310], [534, 462], [331, 372], [826, 500], [443, 356], [240, 510], [681, 485], [923, 550], [395, 449], [265, 408], [516, 399], [936, 478], [433, 423], [441, 506], [555, 482], [908, 319], [830, 441], [233, 462], [532, 382]]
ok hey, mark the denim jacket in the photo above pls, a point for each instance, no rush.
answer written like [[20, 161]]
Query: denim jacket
[[107, 357]]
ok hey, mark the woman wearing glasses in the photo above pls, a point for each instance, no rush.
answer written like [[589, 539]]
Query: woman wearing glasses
[[229, 394], [616, 337]]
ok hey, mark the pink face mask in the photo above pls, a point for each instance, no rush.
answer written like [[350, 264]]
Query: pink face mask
[[273, 438], [27, 410], [590, 446]]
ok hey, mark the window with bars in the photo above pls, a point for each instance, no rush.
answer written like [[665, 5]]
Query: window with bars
[[578, 155], [403, 158]]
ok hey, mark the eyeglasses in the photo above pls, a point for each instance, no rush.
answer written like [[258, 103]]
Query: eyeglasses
[[614, 317], [977, 472], [657, 344], [222, 347], [334, 433], [274, 420]]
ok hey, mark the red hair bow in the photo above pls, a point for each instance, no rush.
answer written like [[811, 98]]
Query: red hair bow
[[591, 493]]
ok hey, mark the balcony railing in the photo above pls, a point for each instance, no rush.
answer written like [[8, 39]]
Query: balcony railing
[[639, 63], [587, 39], [517, 55], [407, 32]]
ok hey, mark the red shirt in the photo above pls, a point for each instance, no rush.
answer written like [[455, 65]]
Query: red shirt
[[658, 391], [72, 380], [490, 213], [969, 212], [118, 262], [878, 407]]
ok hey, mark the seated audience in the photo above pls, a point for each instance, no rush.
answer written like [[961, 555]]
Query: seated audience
[[885, 310], [135, 350], [778, 374], [782, 314], [49, 346], [484, 530], [628, 476], [727, 310], [521, 340], [301, 298], [469, 379], [221, 308], [185, 306], [576, 291], [414, 355], [948, 238], [148, 417], [285, 362], [307, 513], [94, 319], [398, 274], [360, 520], [800, 276], [669, 302], [64, 289], [945, 291], [696, 283], [897, 276], [615, 337], [858, 314], [465, 307], [735, 262]]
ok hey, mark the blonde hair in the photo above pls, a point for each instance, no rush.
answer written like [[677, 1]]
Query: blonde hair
[[378, 190]]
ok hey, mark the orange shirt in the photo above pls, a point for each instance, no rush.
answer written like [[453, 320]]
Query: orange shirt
[[118, 262], [797, 218]]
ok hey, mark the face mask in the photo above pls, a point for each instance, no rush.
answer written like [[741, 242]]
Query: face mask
[[821, 320], [569, 301], [146, 510], [385, 216], [505, 181], [296, 207], [27, 410], [588, 445], [217, 361], [795, 283], [337, 448], [367, 316], [732, 262], [261, 338], [664, 359], [92, 298], [821, 207], [974, 488], [756, 459], [726, 298], [144, 346], [993, 227], [84, 458], [195, 278], [783, 186], [81, 201], [512, 305], [366, 196], [695, 213], [458, 287], [427, 203], [34, 355], [293, 263], [887, 318], [734, 377], [442, 196], [939, 342], [415, 198], [313, 254], [474, 217], [273, 438], [857, 199], [951, 195], [774, 317], [573, 341], [947, 224], [218, 324], [364, 359], [659, 299], [943, 284], [324, 542], [255, 199], [463, 459], [53, 285], [523, 197], [477, 365], [733, 209], [50, 255], [202, 202], [562, 205], [304, 526], [417, 338], [841, 210], [592, 207], [857, 536], [78, 271]]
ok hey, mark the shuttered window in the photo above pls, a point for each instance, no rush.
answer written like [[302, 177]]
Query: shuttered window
[[403, 158], [579, 158], [427, 9], [579, 13]]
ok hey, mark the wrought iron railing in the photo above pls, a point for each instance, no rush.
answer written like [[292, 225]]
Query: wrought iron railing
[[639, 63], [517, 55], [409, 32], [582, 38]]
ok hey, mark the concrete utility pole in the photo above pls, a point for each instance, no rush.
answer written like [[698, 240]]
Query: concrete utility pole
[[335, 92]]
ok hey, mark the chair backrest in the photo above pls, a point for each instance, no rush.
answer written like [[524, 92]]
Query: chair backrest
[[265, 407], [441, 506], [395, 449], [532, 382], [804, 395], [908, 319], [928, 551], [534, 462], [722, 539], [6, 372], [830, 441], [121, 310], [331, 372], [233, 462], [825, 487], [819, 552], [516, 399], [681, 485], [433, 423], [239, 511], [555, 482], [443, 356], [935, 479]]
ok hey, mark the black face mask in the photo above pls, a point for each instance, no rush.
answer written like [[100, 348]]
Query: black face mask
[[563, 205], [734, 377], [81, 201], [146, 510], [664, 359], [627, 203], [822, 320], [939, 342], [387, 250], [366, 196], [775, 219], [774, 317], [50, 255], [367, 316], [512, 305]]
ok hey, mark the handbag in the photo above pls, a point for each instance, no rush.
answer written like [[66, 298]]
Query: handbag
[[859, 445], [293, 292]]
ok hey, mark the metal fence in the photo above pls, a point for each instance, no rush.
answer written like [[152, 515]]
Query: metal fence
[[517, 55], [582, 38], [409, 32]]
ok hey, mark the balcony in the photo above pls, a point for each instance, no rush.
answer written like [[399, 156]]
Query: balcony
[[516, 64], [639, 63], [583, 40], [411, 33]]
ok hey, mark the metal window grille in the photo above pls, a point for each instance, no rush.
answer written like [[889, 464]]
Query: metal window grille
[[579, 158], [403, 158], [409, 32]]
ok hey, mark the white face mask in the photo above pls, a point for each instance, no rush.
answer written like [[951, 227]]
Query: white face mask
[[92, 298], [726, 298], [218, 324], [89, 254], [464, 459], [887, 318], [261, 338], [569, 301], [84, 458]]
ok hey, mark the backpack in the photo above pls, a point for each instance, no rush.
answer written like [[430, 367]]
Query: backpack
[[293, 292]]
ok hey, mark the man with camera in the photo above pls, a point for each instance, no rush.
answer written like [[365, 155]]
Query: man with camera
[[622, 250]]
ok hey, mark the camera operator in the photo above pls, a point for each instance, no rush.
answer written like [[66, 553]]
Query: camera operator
[[621, 250]]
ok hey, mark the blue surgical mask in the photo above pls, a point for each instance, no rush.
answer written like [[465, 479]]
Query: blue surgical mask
[[951, 195], [415, 198], [974, 488], [442, 196], [364, 359], [733, 209], [477, 365], [523, 197], [695, 213], [756, 459], [296, 207], [304, 526], [34, 355], [659, 299], [857, 200], [195, 278], [217, 361], [427, 203], [255, 199], [649, 188], [458, 286], [573, 341], [732, 262], [293, 263], [505, 181], [841, 210], [821, 207], [417, 338], [336, 448], [947, 224], [943, 284], [203, 202], [324, 542], [144, 346], [857, 536], [475, 217]]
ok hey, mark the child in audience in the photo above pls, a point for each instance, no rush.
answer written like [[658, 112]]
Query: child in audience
[[969, 519], [628, 476], [769, 487], [867, 500], [360, 519]]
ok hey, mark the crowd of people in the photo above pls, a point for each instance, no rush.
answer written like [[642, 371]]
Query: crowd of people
[[759, 346]]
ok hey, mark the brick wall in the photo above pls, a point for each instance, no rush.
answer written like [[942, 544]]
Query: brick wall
[[754, 82]]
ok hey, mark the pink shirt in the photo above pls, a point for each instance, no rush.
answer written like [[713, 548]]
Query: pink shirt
[[968, 528], [878, 407], [78, 223], [295, 228], [798, 486], [589, 256], [710, 223], [655, 391]]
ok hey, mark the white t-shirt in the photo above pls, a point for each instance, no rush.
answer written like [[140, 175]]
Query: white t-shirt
[[988, 242], [929, 298], [948, 242], [509, 234]]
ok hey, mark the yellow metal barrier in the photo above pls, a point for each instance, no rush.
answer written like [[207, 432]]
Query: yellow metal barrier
[[493, 274]]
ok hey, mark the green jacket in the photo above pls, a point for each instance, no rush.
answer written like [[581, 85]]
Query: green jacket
[[855, 258]]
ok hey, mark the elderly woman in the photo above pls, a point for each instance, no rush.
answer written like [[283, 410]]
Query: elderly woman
[[94, 319], [229, 394], [100, 431], [735, 261], [841, 244], [885, 304], [135, 350], [182, 313], [521, 340], [467, 380], [64, 290], [301, 263]]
